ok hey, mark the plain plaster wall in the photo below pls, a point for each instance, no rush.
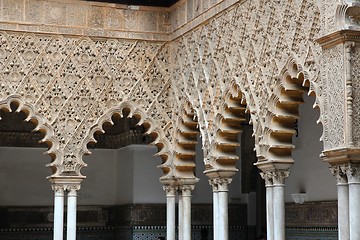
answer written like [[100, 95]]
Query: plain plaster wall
[[99, 187], [147, 187], [309, 174], [23, 177]]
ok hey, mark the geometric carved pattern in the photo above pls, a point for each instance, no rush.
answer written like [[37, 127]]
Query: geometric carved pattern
[[243, 52], [71, 81], [253, 60]]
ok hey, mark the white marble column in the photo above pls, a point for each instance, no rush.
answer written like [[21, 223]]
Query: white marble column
[[71, 211], [214, 185], [186, 211], [170, 211], [58, 211], [353, 175], [223, 213], [343, 202], [279, 204], [220, 207], [275, 203], [269, 205], [180, 216]]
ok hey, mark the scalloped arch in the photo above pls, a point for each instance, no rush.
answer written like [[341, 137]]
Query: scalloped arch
[[185, 142], [283, 111], [41, 125], [231, 114], [152, 128]]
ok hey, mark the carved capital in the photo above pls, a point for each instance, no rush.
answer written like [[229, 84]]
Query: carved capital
[[72, 189], [267, 176], [339, 173], [170, 190], [220, 184], [274, 178], [279, 177], [185, 190], [353, 173], [213, 184], [58, 189]]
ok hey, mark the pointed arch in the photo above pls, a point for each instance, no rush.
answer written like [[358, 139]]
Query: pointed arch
[[42, 125]]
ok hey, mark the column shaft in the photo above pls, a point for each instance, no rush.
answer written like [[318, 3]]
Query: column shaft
[[354, 204], [343, 211], [186, 217], [269, 212], [170, 212], [58, 213], [215, 214], [186, 209], [279, 212], [221, 215], [275, 203], [180, 216], [223, 231], [71, 214]]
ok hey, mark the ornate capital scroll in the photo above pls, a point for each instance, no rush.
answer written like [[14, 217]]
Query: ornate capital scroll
[[353, 173], [170, 190], [185, 190], [220, 184], [339, 173], [275, 178], [58, 189]]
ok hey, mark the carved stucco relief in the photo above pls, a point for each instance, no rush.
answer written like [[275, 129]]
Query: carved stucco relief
[[73, 81], [355, 77], [240, 55], [253, 58]]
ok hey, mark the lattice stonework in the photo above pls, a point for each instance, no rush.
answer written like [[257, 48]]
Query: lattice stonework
[[72, 81], [255, 56], [253, 60]]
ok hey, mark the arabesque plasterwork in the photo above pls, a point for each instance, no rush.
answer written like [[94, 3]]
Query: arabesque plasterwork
[[254, 60]]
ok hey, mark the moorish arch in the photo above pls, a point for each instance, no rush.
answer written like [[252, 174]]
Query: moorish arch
[[72, 77], [19, 104], [152, 128], [177, 154], [280, 124]]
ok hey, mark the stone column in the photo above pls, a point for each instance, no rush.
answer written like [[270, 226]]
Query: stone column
[[186, 211], [71, 211], [180, 216], [58, 211], [223, 213], [353, 175], [214, 185], [343, 202], [220, 207], [279, 204], [275, 203], [267, 176], [170, 211]]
